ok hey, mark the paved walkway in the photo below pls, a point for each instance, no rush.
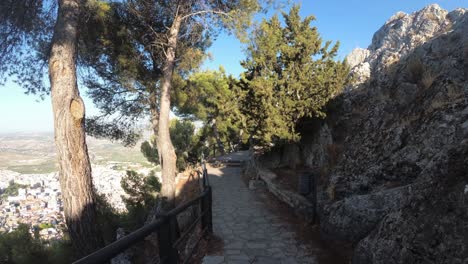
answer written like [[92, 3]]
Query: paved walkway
[[251, 233]]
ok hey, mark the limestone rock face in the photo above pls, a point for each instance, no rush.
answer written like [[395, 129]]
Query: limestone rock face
[[394, 146], [400, 35], [398, 186]]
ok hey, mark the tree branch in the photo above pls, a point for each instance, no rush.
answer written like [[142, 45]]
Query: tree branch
[[205, 12]]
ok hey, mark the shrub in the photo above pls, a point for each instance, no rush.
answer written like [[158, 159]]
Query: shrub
[[331, 192], [415, 69], [427, 79], [12, 189], [142, 194], [19, 246]]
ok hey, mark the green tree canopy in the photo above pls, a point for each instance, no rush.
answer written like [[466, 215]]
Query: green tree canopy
[[186, 144], [123, 51], [183, 138], [25, 35], [212, 97], [141, 190], [290, 74], [19, 246]]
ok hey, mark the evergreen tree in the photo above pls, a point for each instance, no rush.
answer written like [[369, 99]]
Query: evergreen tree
[[186, 144], [190, 14], [211, 96], [290, 74], [162, 29], [41, 36], [123, 52], [182, 136], [141, 190]]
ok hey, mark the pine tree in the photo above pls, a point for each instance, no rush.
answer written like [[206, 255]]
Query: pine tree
[[290, 74], [31, 45], [211, 96], [163, 29]]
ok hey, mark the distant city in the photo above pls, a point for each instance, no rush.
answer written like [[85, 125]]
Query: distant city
[[35, 199]]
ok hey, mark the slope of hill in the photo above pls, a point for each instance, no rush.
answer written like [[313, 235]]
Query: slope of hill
[[35, 153], [393, 151]]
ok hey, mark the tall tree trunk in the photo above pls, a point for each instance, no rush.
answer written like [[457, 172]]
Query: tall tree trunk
[[155, 120], [218, 138], [168, 156], [69, 112]]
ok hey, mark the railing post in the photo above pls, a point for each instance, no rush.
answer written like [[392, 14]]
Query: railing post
[[167, 235], [206, 204], [210, 211], [204, 179]]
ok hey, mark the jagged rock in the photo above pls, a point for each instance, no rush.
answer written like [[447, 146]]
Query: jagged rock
[[430, 228], [400, 35], [256, 184], [315, 149], [364, 212], [407, 115], [393, 187], [357, 56]]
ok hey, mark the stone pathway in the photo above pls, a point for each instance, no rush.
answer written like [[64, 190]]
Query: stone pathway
[[250, 232]]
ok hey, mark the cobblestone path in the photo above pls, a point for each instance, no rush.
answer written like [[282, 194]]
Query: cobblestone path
[[250, 232]]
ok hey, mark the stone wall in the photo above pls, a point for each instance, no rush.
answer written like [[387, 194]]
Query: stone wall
[[256, 169]]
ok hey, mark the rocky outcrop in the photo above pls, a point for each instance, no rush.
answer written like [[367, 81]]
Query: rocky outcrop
[[400, 35], [432, 228], [393, 148]]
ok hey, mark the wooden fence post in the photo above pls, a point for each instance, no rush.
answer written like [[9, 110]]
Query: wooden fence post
[[210, 211], [167, 235], [206, 203]]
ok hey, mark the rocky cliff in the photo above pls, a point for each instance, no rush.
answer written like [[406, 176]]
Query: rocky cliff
[[392, 155]]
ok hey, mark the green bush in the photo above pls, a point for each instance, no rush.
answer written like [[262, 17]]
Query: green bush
[[185, 141], [45, 225], [12, 189], [142, 194], [19, 246], [415, 69]]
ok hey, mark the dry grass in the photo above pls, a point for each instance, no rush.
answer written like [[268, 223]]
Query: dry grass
[[331, 191], [419, 73], [427, 79], [187, 186], [415, 69]]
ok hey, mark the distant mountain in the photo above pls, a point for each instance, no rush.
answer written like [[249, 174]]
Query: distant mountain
[[35, 152]]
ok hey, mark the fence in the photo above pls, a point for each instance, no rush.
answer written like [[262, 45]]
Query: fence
[[169, 237]]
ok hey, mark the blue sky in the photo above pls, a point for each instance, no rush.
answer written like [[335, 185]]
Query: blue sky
[[353, 22]]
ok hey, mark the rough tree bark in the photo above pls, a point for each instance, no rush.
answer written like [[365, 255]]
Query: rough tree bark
[[154, 111], [69, 112], [165, 147], [218, 138]]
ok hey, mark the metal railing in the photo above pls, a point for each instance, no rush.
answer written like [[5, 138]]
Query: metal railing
[[167, 228]]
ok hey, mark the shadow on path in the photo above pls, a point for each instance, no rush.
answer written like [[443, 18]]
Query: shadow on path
[[251, 231]]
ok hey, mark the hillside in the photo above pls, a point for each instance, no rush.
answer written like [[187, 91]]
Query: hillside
[[391, 159], [35, 153]]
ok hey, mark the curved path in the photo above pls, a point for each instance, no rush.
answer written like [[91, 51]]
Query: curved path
[[250, 232]]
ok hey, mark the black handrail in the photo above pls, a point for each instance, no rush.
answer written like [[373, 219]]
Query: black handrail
[[168, 238]]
